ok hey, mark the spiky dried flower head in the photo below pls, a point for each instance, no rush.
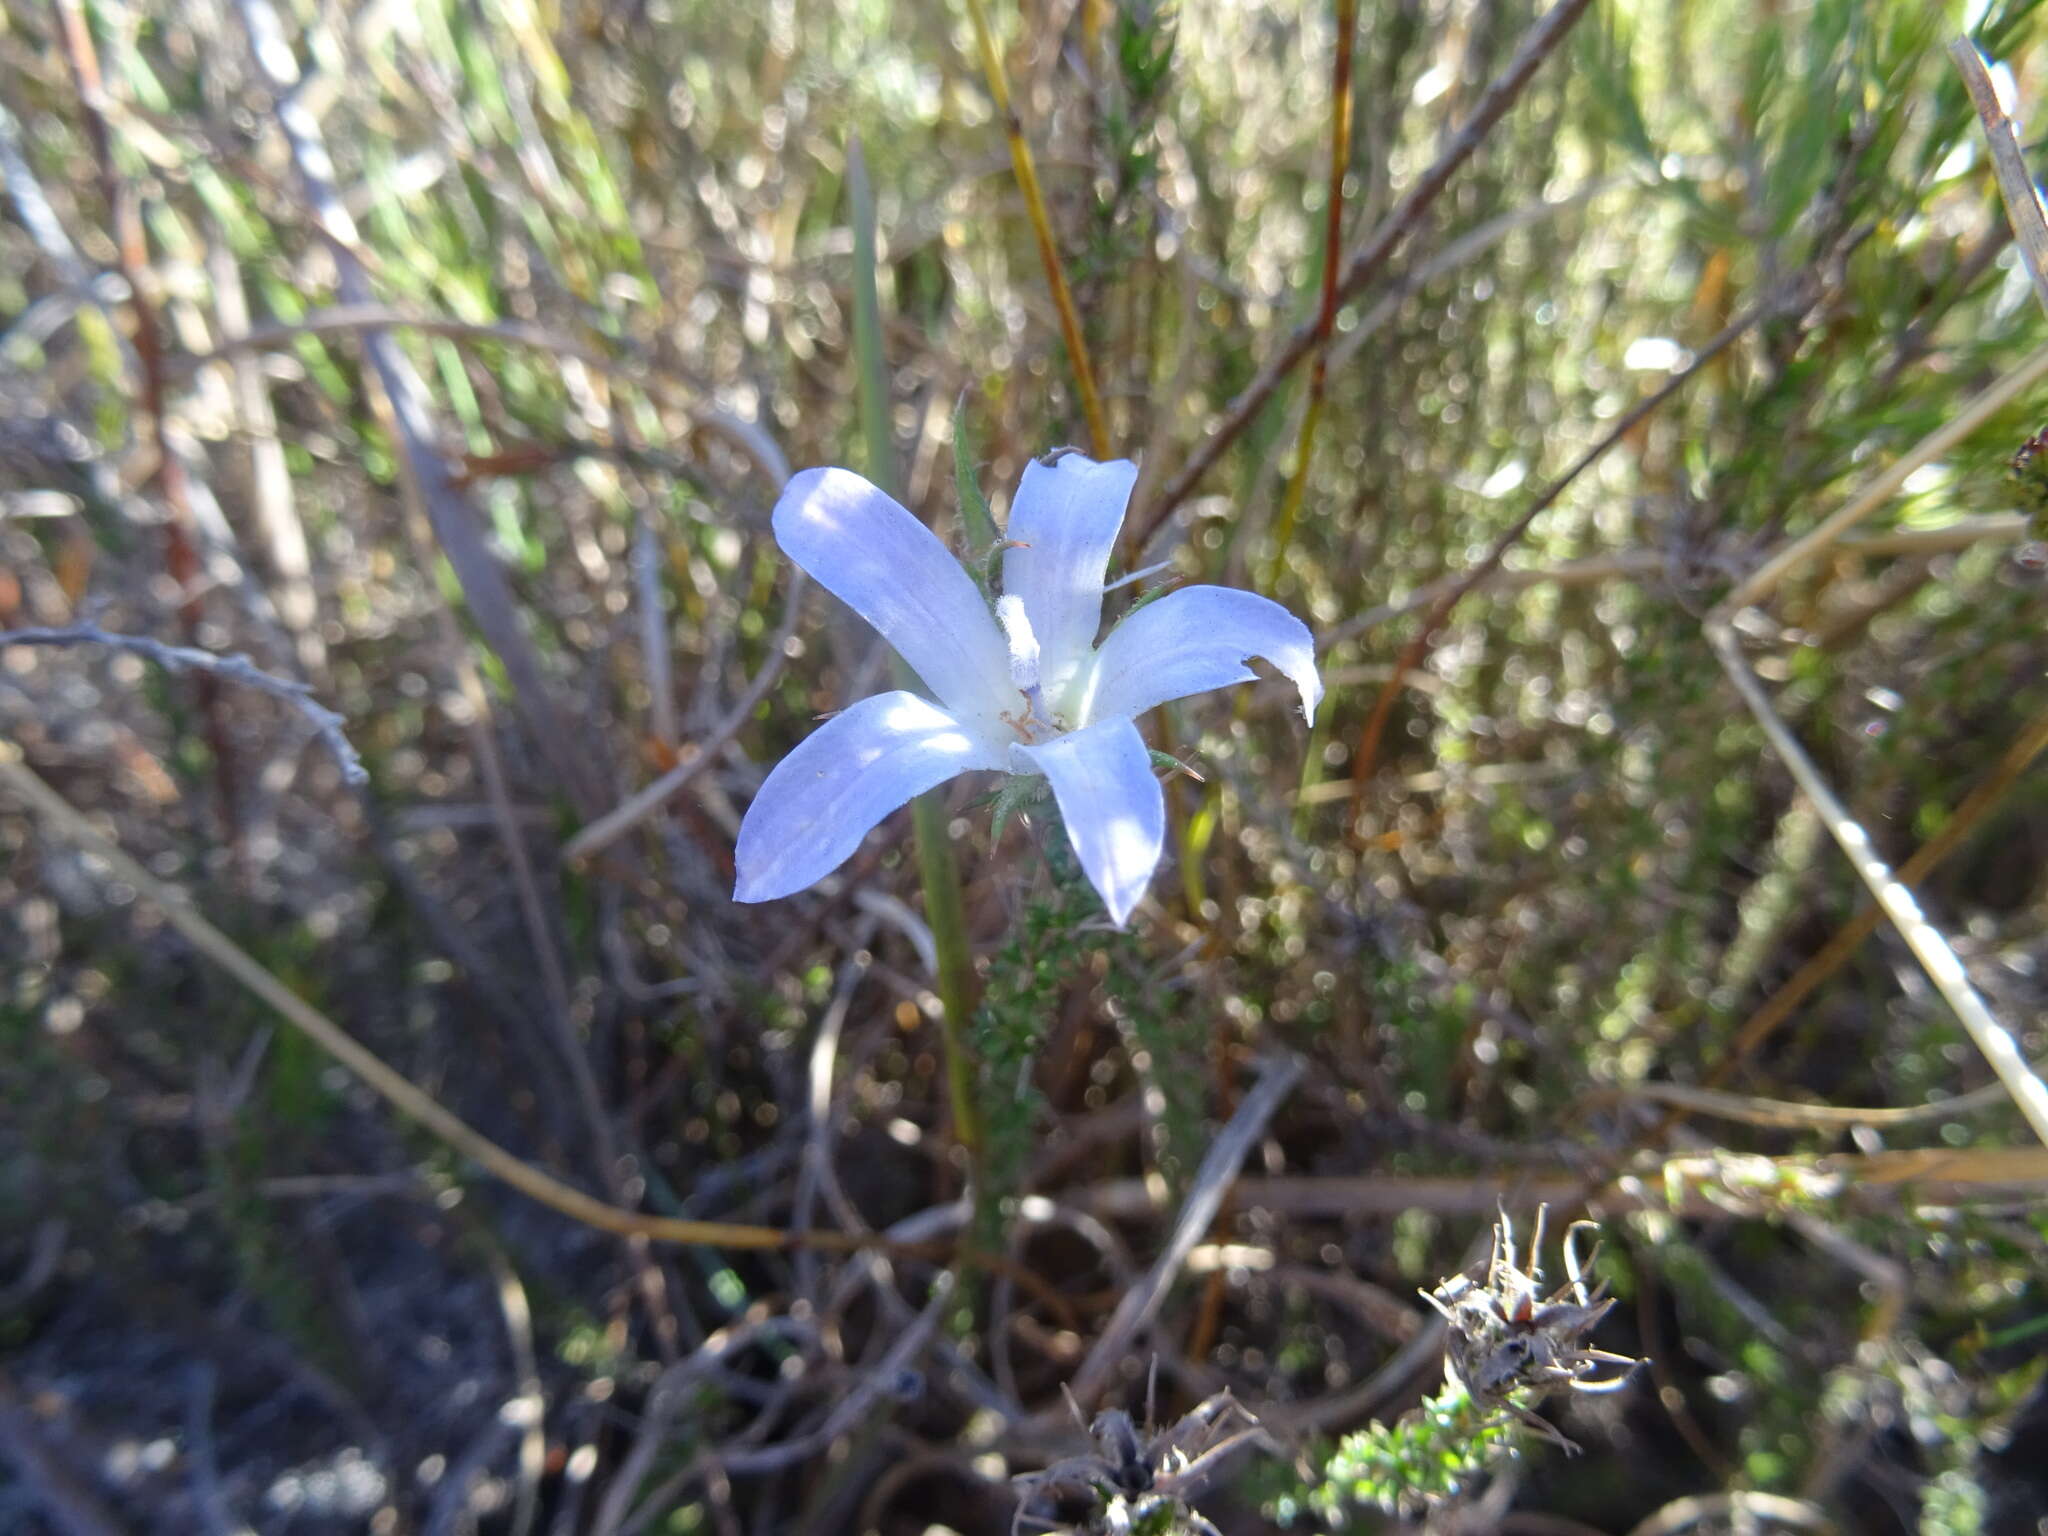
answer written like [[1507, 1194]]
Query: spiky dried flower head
[[1509, 1343]]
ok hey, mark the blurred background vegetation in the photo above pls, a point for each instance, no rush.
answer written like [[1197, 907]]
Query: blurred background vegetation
[[446, 357]]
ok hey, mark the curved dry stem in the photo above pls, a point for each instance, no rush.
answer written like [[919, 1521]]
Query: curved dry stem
[[392, 1086]]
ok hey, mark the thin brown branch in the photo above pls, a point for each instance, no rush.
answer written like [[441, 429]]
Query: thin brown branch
[[1411, 655], [1326, 314], [181, 529], [1366, 262]]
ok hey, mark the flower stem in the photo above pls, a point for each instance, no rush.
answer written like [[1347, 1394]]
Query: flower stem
[[937, 870], [946, 912], [1041, 226]]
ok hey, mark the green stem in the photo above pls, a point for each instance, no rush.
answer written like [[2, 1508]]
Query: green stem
[[938, 871], [947, 913]]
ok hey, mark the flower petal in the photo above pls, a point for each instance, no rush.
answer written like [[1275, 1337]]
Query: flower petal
[[864, 548], [1113, 806], [1068, 514], [1191, 641], [821, 800]]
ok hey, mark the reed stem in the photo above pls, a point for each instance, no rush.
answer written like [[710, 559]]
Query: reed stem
[[937, 870], [1041, 228]]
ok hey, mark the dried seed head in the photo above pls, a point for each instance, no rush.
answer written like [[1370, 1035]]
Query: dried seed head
[[1508, 1338]]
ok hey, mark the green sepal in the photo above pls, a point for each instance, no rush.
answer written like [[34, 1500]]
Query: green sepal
[[1019, 793], [1166, 762]]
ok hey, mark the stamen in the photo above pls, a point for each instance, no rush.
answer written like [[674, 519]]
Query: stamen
[[1023, 643], [1150, 570]]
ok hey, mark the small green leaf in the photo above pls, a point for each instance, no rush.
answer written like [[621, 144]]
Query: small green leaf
[[976, 521]]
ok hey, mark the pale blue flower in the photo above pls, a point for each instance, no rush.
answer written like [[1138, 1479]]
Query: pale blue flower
[[1023, 690]]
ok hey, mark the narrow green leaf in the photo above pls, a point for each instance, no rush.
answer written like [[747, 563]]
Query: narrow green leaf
[[871, 374], [976, 521]]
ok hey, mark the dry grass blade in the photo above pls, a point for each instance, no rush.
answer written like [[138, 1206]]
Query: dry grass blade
[[1041, 228], [1205, 1197], [394, 1087], [2015, 184], [1992, 1039]]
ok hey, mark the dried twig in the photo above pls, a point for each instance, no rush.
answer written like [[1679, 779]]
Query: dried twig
[[239, 669], [394, 1087], [629, 813], [1790, 1115], [1411, 655]]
